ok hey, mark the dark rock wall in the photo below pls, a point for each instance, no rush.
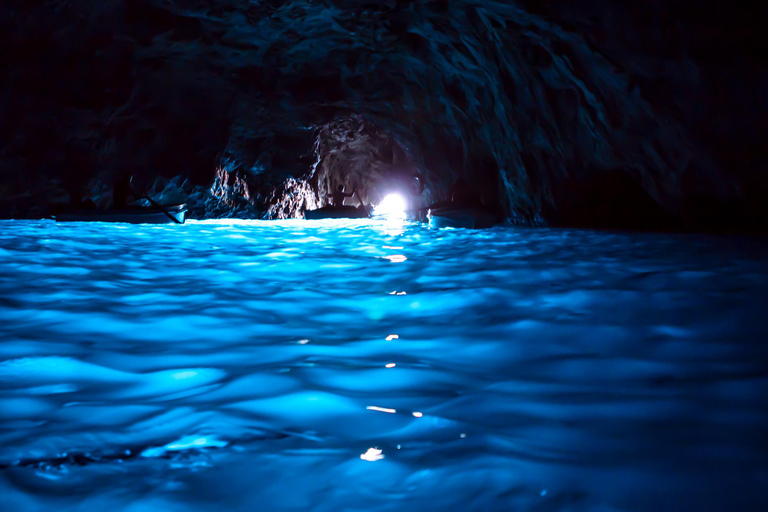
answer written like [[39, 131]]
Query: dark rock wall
[[647, 114]]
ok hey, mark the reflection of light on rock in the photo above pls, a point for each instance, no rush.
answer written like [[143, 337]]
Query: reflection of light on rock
[[402, 293], [395, 258], [390, 365], [372, 455], [397, 293], [391, 247], [462, 435], [381, 409], [303, 342], [392, 337], [418, 414]]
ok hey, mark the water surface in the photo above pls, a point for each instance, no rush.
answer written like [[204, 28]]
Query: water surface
[[348, 365]]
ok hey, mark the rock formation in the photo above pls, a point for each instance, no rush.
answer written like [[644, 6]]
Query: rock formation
[[643, 115]]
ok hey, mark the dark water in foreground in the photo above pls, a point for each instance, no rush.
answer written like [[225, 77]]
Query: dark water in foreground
[[353, 366]]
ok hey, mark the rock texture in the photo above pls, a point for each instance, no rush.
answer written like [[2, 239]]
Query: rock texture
[[647, 114]]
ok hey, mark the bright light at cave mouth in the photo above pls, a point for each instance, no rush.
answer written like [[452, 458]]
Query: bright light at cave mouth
[[393, 205]]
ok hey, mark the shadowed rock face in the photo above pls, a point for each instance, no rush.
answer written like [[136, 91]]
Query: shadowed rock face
[[576, 113]]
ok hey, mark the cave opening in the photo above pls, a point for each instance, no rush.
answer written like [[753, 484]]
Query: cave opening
[[357, 153]]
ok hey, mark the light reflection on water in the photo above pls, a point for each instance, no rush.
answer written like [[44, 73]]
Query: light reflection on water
[[245, 364]]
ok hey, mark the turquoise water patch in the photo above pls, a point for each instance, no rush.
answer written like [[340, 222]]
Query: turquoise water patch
[[360, 365]]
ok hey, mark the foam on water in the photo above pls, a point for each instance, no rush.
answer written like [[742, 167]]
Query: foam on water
[[350, 365]]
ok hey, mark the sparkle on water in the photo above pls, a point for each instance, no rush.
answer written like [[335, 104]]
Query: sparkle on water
[[255, 366]]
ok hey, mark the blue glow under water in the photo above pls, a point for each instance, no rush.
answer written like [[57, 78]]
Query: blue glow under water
[[356, 366]]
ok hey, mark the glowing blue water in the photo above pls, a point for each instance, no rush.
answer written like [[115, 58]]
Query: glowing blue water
[[347, 366]]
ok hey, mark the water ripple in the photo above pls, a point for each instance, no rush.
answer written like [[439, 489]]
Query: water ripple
[[347, 364]]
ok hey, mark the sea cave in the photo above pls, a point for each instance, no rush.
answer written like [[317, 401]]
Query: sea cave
[[383, 255]]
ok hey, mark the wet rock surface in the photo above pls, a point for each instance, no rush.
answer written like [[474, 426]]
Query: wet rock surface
[[645, 115]]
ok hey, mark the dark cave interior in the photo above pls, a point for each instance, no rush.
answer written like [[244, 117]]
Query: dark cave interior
[[644, 115]]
